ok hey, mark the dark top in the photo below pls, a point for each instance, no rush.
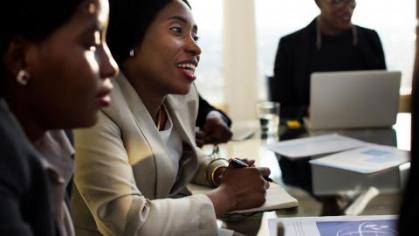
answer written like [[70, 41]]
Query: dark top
[[298, 56], [204, 109], [409, 212], [24, 198]]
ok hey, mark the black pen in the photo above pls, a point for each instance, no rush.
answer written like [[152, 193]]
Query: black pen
[[240, 164]]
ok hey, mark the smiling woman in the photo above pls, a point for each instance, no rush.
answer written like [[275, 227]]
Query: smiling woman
[[394, 22], [134, 165], [165, 60]]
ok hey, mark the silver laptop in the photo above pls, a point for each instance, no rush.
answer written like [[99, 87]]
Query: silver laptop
[[355, 99]]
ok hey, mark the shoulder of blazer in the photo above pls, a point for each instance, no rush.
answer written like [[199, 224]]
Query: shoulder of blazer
[[17, 155], [23, 181], [364, 30], [296, 37], [369, 35], [370, 44], [119, 109]]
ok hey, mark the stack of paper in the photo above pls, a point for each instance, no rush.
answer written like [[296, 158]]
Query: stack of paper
[[276, 198], [358, 169], [351, 165], [367, 160], [311, 146]]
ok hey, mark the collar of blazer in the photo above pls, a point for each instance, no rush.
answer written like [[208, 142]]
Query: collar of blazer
[[129, 112]]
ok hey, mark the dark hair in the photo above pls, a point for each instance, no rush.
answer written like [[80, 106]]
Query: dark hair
[[128, 23], [32, 20]]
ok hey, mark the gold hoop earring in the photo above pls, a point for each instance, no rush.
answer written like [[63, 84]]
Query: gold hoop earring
[[22, 77]]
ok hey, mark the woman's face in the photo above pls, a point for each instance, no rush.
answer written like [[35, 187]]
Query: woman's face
[[70, 70], [336, 14], [165, 61]]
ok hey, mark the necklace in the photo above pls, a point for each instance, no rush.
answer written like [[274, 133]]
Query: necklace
[[319, 35]]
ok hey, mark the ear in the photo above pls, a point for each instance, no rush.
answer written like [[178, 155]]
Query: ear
[[16, 56]]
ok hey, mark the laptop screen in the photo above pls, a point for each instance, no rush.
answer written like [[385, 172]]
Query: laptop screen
[[355, 99]]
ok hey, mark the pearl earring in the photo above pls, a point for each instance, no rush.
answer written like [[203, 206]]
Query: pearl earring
[[131, 53], [22, 77]]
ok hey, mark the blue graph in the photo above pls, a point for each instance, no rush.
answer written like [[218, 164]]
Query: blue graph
[[358, 228]]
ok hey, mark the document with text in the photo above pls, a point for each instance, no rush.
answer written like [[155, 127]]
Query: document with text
[[317, 145]]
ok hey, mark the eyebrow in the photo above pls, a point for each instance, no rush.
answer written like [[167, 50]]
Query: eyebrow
[[183, 19]]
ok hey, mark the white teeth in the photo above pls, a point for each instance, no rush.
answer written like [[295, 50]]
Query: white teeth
[[187, 66]]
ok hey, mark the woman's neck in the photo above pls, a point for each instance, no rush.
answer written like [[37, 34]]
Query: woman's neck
[[152, 98], [152, 102], [327, 29]]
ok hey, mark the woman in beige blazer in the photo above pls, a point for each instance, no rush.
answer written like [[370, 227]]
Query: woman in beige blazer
[[133, 166]]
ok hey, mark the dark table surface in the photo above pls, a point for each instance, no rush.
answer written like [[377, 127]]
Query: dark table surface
[[295, 175]]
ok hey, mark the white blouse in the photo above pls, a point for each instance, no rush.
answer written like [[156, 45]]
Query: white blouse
[[171, 141]]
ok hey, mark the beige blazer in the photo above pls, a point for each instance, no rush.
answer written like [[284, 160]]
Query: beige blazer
[[124, 182]]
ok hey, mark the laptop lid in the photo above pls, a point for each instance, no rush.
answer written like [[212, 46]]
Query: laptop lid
[[355, 99]]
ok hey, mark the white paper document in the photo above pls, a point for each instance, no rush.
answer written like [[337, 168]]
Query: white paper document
[[242, 133], [367, 160], [384, 225], [276, 198], [311, 146]]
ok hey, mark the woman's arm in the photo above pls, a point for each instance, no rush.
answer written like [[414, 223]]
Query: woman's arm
[[104, 176]]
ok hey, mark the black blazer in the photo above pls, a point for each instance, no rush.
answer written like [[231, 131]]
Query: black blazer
[[24, 200], [409, 212], [290, 84], [203, 110]]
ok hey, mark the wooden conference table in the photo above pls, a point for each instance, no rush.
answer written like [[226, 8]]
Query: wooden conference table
[[295, 176]]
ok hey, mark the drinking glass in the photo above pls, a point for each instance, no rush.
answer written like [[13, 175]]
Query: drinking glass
[[268, 114]]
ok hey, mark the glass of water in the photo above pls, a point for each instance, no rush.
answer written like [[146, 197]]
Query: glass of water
[[268, 114]]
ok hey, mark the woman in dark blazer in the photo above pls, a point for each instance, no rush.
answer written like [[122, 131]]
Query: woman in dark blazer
[[53, 75], [329, 43], [24, 200]]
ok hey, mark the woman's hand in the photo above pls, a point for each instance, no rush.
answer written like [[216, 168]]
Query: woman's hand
[[250, 163], [240, 188], [215, 131], [219, 173]]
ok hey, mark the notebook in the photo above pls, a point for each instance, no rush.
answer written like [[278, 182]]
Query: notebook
[[276, 198], [354, 99]]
